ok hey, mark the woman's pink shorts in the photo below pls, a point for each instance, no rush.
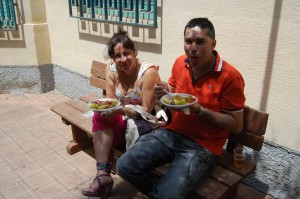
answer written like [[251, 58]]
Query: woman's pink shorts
[[117, 124]]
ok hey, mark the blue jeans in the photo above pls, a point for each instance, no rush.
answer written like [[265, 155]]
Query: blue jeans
[[190, 164]]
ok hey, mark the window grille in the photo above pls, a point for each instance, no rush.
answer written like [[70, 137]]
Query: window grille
[[7, 15], [130, 12]]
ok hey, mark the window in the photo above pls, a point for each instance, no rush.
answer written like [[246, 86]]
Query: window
[[7, 15], [130, 12]]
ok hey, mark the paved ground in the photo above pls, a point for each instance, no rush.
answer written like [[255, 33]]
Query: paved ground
[[33, 158]]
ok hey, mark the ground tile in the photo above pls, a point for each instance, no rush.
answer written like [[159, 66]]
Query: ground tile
[[81, 159], [12, 132], [33, 124], [74, 179], [40, 151], [58, 144], [12, 152], [6, 143], [64, 154], [8, 179], [15, 191], [49, 160], [89, 169], [29, 170], [19, 139], [8, 124], [62, 195], [42, 130], [60, 169], [38, 180], [30, 144], [4, 168], [20, 160], [50, 190], [27, 195]]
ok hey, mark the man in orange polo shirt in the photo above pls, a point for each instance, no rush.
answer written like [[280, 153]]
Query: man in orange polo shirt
[[191, 142]]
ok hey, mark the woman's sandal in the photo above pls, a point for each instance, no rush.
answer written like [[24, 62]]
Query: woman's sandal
[[103, 191]]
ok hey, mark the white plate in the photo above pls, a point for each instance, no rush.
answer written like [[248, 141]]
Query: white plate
[[178, 106], [108, 109]]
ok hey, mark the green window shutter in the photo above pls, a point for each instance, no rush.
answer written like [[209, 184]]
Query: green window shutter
[[127, 12], [7, 15]]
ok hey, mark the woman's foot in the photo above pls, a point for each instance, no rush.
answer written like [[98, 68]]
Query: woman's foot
[[100, 187]]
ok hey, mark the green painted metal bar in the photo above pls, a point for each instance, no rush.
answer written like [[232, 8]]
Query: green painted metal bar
[[92, 8], [1, 11], [142, 4], [120, 11], [115, 4], [1, 15], [131, 4], [125, 3], [136, 13], [70, 7], [148, 5], [155, 13], [81, 8], [6, 8], [105, 10], [13, 15]]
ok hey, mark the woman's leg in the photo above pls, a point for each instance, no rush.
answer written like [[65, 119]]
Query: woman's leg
[[103, 141], [104, 138], [102, 184]]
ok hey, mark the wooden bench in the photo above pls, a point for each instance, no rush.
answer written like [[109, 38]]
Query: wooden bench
[[223, 181]]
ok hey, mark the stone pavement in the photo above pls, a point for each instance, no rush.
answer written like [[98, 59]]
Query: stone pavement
[[34, 162]]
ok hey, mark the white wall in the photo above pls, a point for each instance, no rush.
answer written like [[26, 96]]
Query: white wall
[[30, 44], [261, 38]]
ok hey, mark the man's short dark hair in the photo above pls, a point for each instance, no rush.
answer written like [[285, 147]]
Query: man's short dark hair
[[202, 23]]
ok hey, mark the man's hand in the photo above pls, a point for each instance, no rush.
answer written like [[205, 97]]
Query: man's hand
[[160, 90], [197, 108]]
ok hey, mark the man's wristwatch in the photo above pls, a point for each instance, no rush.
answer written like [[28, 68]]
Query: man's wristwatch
[[201, 111]]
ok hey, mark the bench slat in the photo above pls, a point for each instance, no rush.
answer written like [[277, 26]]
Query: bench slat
[[226, 160], [100, 83], [79, 105], [90, 97], [248, 139], [255, 121], [226, 176], [254, 127], [74, 116], [98, 69], [211, 189]]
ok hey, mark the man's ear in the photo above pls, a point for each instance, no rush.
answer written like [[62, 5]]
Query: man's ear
[[214, 44], [135, 53]]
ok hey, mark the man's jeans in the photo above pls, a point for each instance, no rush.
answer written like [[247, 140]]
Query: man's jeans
[[190, 165]]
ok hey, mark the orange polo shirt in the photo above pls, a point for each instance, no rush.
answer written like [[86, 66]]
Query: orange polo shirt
[[221, 89]]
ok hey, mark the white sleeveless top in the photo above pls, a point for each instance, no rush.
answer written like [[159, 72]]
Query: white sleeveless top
[[135, 96]]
